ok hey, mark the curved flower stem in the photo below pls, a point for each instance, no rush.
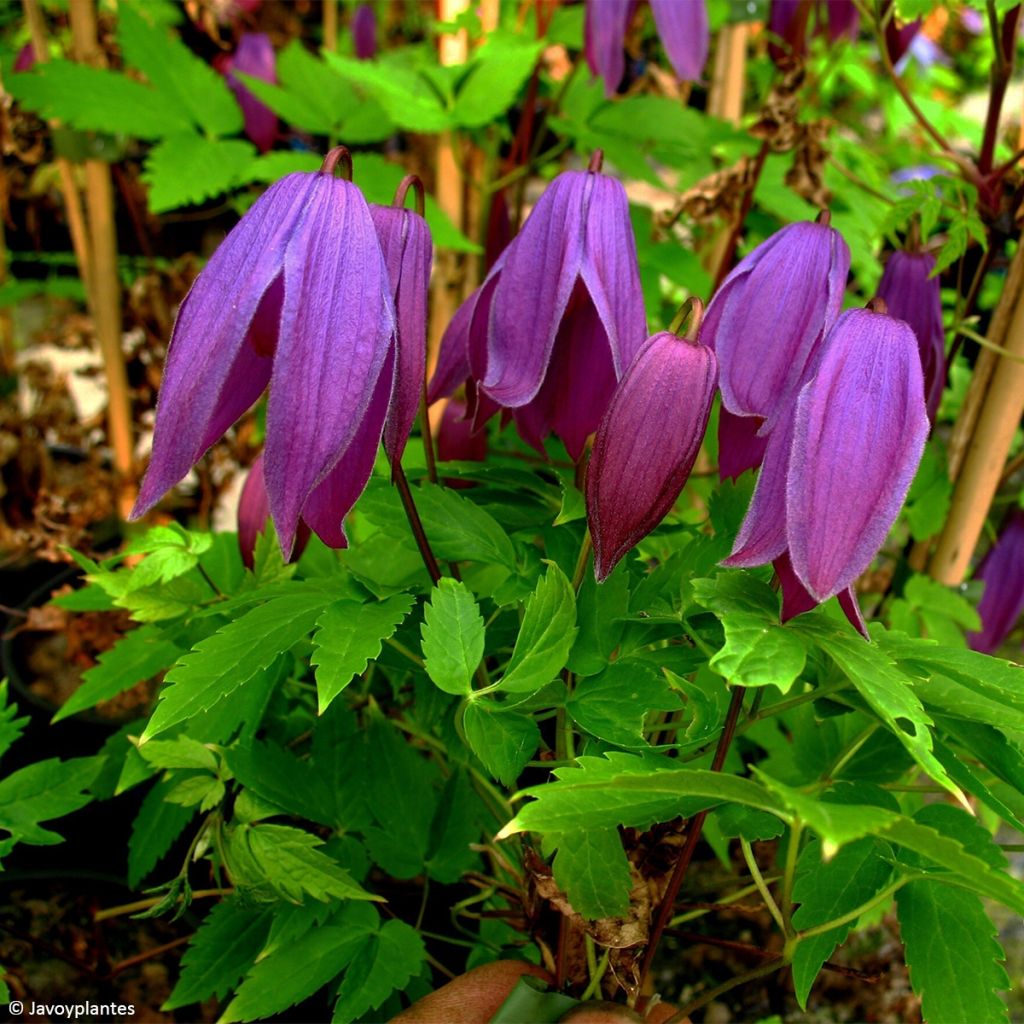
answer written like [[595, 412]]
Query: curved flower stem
[[415, 523], [1004, 42], [696, 826], [581, 561], [414, 182]]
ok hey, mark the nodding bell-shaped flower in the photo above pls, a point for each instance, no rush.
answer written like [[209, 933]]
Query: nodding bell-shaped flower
[[912, 294], [297, 296], [788, 20], [647, 443], [681, 24], [558, 318], [838, 468], [1002, 571], [408, 252], [767, 320], [254, 514], [254, 56], [364, 32]]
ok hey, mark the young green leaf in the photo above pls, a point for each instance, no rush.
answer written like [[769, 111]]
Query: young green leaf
[[827, 889], [348, 636], [222, 663], [155, 828], [592, 870], [453, 637], [499, 71], [11, 726], [546, 635], [503, 740], [459, 530], [181, 752], [43, 791], [599, 607], [187, 168], [221, 951]]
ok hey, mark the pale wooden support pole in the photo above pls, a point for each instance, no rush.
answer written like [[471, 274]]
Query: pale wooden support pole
[[725, 98], [330, 25], [986, 456], [69, 189], [106, 285], [450, 188]]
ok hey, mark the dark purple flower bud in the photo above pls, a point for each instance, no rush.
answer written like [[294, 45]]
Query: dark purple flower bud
[[458, 440], [740, 446], [912, 294], [254, 56], [364, 32], [1002, 571], [787, 20], [859, 432], [297, 296], [26, 59], [408, 252], [604, 34], [647, 443], [843, 19], [254, 514], [683, 28], [767, 320], [898, 37]]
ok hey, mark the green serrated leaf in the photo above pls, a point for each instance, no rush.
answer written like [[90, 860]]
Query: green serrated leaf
[[459, 530], [11, 727], [747, 823], [222, 663], [43, 791], [94, 99], [499, 70], [181, 77], [503, 740], [181, 752], [546, 635], [187, 168], [223, 948], [288, 861], [954, 956], [592, 870], [598, 609], [452, 637], [614, 704], [385, 963], [827, 889], [155, 828], [348, 636], [295, 971]]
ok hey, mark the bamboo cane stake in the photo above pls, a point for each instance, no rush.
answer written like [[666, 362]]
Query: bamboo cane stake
[[725, 97], [330, 25], [984, 459], [106, 285]]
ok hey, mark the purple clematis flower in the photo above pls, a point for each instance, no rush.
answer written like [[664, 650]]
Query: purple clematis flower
[[558, 318], [767, 320], [457, 441], [364, 32], [1002, 570], [254, 514], [912, 294], [297, 296], [408, 252], [254, 56], [741, 446], [681, 24], [838, 469], [647, 443], [788, 20]]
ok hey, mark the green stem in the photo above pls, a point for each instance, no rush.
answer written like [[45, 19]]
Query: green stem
[[789, 875], [858, 912], [597, 971], [762, 888]]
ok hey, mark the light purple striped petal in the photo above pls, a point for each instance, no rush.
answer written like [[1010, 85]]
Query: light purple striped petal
[[781, 300], [1002, 601], [762, 536], [683, 28], [860, 429], [647, 443], [604, 31], [206, 366], [408, 252], [538, 275], [740, 446], [337, 325], [332, 499]]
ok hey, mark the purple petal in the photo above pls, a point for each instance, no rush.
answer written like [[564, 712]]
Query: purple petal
[[408, 252], [253, 510], [457, 441], [796, 600], [899, 37], [911, 294], [205, 362], [364, 32], [843, 19], [647, 443], [762, 536], [786, 295], [859, 433], [254, 56], [1002, 571], [611, 270], [604, 29], [537, 278], [337, 325], [787, 19], [332, 499], [683, 27], [740, 446]]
